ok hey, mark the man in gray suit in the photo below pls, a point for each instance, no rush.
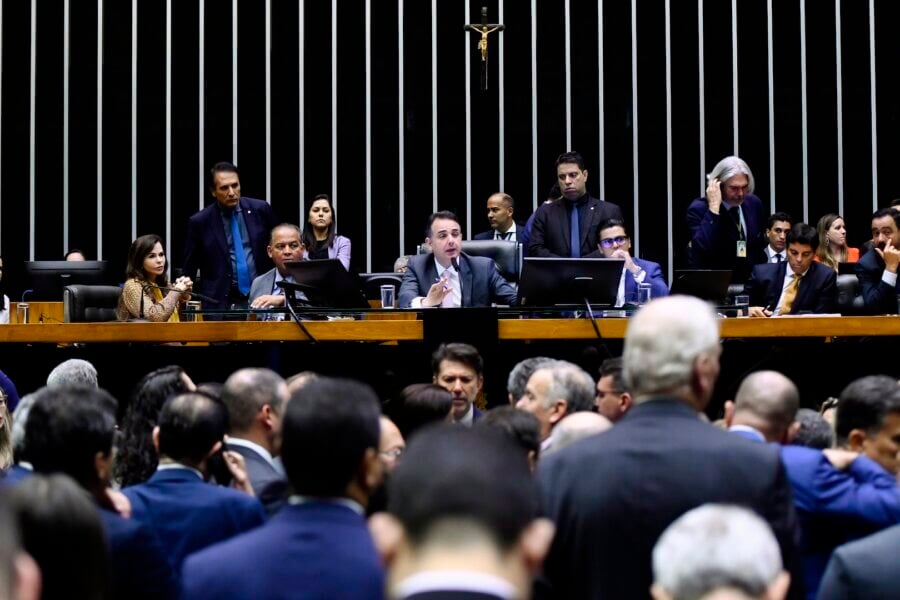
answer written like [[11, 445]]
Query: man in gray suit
[[284, 246], [866, 568]]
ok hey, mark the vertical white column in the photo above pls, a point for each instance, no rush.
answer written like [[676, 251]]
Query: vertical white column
[[31, 131], [99, 130], [839, 89], [168, 126], [434, 116], [803, 116], [534, 132], [369, 165], [134, 74], [468, 64], [771, 67], [66, 62], [601, 145], [634, 131], [669, 200], [874, 100], [269, 101], [201, 107], [701, 95], [568, 45], [234, 81], [501, 98], [334, 109], [301, 108], [734, 75], [401, 130]]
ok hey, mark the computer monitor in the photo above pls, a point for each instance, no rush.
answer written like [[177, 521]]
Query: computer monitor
[[327, 283], [706, 284], [554, 281], [49, 277]]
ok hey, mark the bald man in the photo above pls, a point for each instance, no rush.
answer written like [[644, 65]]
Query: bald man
[[500, 209]]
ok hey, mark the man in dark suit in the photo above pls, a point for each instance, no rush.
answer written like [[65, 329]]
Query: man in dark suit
[[613, 241], [318, 546], [809, 286], [551, 233], [877, 270], [446, 277], [459, 369], [210, 244], [726, 226], [612, 495], [177, 503], [500, 209], [449, 505], [256, 399], [864, 569]]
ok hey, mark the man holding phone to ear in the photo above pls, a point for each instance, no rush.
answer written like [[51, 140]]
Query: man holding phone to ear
[[726, 225]]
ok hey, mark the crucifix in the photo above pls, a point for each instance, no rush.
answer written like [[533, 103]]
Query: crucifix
[[484, 29]]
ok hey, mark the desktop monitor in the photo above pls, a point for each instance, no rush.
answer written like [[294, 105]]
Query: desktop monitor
[[49, 277], [554, 281], [327, 283], [705, 284]]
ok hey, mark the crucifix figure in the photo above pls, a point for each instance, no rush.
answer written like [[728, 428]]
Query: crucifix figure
[[485, 29]]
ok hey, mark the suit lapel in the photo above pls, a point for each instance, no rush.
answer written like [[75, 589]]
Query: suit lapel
[[775, 293], [430, 276], [218, 228]]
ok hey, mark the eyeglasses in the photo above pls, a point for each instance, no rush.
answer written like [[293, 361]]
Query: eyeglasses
[[616, 241], [394, 453]]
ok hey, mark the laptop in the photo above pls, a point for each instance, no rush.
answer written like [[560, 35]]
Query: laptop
[[570, 281], [705, 284]]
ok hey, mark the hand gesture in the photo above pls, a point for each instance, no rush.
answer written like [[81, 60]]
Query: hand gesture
[[890, 255], [268, 301], [437, 292], [759, 311], [629, 264], [238, 468], [714, 195]]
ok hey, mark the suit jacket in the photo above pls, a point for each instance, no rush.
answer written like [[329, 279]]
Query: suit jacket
[[612, 495], [309, 550], [261, 473], [654, 277], [262, 285], [188, 514], [714, 237], [864, 569], [550, 233], [522, 235], [339, 249], [879, 297], [206, 247], [480, 281], [138, 564], [817, 292]]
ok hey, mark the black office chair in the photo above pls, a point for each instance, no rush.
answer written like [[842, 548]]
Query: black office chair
[[849, 299], [90, 303], [371, 283], [507, 255]]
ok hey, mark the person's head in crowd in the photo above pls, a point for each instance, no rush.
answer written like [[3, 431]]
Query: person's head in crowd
[[147, 260], [672, 348], [777, 229], [895, 205], [74, 371], [61, 529], [320, 223], [554, 193], [390, 443], [225, 185], [886, 228], [70, 430], [6, 438], [136, 458], [447, 505], [802, 241], [19, 419], [500, 208], [520, 374], [576, 426], [832, 240], [521, 427], [458, 368], [191, 428], [284, 246], [444, 237], [422, 404], [613, 399], [74, 255], [766, 401], [331, 440], [555, 390], [717, 547], [8, 387], [402, 263], [212, 389], [298, 380], [735, 179], [255, 399], [20, 576], [868, 420], [814, 432], [571, 175]]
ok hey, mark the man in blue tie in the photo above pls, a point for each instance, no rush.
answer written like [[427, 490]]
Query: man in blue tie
[[226, 241], [568, 226]]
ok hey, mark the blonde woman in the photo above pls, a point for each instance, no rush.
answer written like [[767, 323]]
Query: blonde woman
[[833, 247]]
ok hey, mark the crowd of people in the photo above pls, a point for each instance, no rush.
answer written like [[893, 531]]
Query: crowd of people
[[612, 484]]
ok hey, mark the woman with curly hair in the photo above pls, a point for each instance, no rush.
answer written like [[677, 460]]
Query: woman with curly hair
[[833, 248], [136, 458]]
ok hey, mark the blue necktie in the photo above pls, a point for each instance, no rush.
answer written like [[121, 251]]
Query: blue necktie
[[243, 274], [575, 234]]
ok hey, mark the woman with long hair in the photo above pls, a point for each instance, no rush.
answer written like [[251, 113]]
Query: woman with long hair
[[833, 248], [319, 239], [6, 447], [147, 294]]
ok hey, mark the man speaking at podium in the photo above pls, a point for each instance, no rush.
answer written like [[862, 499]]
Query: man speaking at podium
[[449, 278]]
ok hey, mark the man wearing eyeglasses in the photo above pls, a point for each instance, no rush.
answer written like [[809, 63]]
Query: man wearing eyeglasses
[[613, 242]]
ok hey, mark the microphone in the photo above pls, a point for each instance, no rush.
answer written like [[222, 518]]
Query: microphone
[[192, 293]]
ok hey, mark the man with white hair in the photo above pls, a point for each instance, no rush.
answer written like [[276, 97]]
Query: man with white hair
[[612, 495], [554, 390], [74, 371], [718, 548]]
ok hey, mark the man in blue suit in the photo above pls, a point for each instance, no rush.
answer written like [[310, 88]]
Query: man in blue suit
[[613, 242], [808, 287], [449, 278], [839, 495], [318, 546], [210, 244], [877, 270], [726, 226], [185, 511]]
